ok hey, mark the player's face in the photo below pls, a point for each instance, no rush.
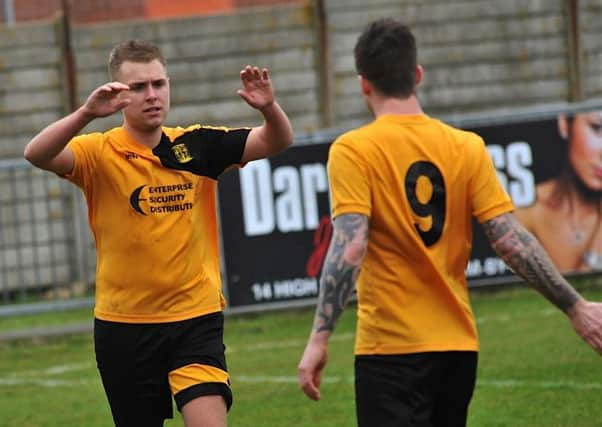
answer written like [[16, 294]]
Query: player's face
[[149, 94], [585, 152]]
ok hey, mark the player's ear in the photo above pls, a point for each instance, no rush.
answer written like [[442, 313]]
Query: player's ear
[[419, 73], [365, 85], [563, 126]]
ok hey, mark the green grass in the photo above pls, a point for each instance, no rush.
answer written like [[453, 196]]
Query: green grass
[[46, 320], [533, 370]]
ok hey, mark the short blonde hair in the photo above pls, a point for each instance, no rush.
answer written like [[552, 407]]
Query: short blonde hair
[[134, 51]]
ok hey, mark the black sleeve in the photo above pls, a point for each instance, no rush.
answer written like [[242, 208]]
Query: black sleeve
[[204, 151]]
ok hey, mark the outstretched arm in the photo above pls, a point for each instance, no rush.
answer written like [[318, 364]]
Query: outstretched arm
[[337, 283], [48, 149], [526, 257], [276, 133]]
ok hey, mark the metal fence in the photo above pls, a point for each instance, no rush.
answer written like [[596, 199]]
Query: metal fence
[[43, 254]]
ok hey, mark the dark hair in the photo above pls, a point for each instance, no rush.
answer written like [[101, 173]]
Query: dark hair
[[385, 55], [134, 51]]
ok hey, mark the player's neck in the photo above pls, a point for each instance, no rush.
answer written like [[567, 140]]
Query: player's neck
[[385, 106], [150, 138]]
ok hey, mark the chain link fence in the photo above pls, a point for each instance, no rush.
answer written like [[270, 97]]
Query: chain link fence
[[44, 249]]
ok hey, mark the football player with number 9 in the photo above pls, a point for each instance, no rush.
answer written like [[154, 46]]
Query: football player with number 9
[[404, 190]]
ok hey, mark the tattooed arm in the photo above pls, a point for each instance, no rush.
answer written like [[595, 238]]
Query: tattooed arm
[[341, 268], [337, 283], [526, 257]]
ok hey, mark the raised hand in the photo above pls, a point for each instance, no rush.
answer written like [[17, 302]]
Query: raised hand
[[107, 99], [257, 88]]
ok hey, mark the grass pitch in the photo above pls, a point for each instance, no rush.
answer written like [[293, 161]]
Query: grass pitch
[[533, 370]]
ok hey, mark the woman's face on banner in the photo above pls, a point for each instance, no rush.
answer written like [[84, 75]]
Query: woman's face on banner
[[585, 150]]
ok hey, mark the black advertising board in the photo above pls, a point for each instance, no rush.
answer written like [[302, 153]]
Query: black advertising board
[[275, 226], [275, 213]]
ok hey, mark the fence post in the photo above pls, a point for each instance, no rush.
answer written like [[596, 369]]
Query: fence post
[[67, 70], [324, 64], [575, 54], [70, 103]]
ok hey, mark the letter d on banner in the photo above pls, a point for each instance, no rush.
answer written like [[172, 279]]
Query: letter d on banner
[[257, 199]]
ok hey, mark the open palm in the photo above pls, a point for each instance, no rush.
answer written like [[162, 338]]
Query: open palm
[[257, 88]]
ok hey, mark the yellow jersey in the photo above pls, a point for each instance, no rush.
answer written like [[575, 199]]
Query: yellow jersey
[[154, 219], [420, 182]]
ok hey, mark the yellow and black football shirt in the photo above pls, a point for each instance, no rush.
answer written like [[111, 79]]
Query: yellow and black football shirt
[[420, 182], [154, 219]]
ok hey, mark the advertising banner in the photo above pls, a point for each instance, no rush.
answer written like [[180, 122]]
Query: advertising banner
[[275, 213], [523, 154], [275, 225]]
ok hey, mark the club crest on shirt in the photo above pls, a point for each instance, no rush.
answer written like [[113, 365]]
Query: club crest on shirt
[[181, 152]]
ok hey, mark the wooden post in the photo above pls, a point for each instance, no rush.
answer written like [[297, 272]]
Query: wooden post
[[324, 65], [68, 62], [69, 85], [575, 54]]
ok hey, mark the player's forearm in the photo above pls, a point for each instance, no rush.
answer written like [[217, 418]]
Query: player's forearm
[[341, 269], [525, 256], [277, 130], [49, 143], [336, 288]]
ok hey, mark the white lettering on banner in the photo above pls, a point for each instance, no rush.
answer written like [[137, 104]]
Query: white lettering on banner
[[518, 180], [289, 215], [295, 288], [256, 192], [522, 188], [474, 268], [491, 266], [314, 182], [262, 291], [289, 288], [286, 199]]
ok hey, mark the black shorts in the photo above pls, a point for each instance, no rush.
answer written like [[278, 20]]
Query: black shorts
[[419, 390], [142, 365]]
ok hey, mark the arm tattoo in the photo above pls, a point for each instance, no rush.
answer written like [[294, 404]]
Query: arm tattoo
[[525, 256], [341, 269]]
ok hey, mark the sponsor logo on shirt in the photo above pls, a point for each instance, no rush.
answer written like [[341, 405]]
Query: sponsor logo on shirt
[[161, 199]]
